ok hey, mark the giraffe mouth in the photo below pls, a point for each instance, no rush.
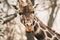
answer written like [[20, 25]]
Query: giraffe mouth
[[29, 29]]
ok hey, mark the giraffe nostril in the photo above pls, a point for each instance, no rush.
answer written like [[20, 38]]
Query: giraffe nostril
[[27, 25], [27, 19]]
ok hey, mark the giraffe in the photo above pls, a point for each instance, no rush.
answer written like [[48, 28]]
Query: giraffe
[[40, 30], [25, 12], [33, 24]]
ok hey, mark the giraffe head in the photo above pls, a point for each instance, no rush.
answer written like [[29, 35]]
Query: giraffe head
[[27, 14], [42, 32]]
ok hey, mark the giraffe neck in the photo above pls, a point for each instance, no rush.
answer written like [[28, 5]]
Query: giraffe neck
[[43, 32]]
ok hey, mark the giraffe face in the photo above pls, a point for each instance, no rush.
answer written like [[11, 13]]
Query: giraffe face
[[27, 12], [28, 19]]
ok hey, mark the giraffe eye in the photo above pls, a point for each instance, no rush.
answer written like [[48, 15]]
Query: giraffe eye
[[33, 22], [20, 13]]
